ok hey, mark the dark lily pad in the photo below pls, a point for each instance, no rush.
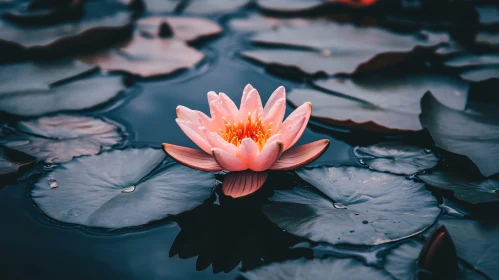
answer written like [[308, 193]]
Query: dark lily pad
[[60, 138], [162, 6], [333, 48], [47, 13], [472, 135], [466, 187], [78, 95], [396, 158], [382, 103], [117, 189], [203, 7], [361, 206], [488, 14], [38, 76], [401, 262], [317, 269], [11, 161]]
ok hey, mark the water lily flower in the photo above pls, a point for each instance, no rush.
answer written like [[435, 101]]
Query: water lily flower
[[247, 141]]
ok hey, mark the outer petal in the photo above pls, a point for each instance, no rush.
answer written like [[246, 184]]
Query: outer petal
[[247, 151], [238, 184], [292, 128], [300, 156], [246, 90], [228, 161], [279, 93], [198, 118], [218, 113], [228, 104], [267, 156], [275, 115], [191, 157], [212, 96], [251, 104], [216, 141], [196, 135]]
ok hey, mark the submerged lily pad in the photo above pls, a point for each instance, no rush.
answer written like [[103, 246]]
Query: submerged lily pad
[[117, 189], [472, 135], [60, 138], [28, 76], [78, 95], [396, 158], [466, 187], [187, 29], [360, 206], [317, 269], [11, 161]]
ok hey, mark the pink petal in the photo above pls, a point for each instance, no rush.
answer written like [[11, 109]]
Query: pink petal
[[191, 157], [247, 151], [196, 117], [228, 161], [278, 94], [246, 90], [301, 155], [267, 156], [295, 124], [197, 136], [228, 104], [218, 113], [212, 96], [251, 104], [275, 115], [273, 138], [238, 184], [216, 141]]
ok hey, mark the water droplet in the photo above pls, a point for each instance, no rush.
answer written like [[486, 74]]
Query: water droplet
[[427, 151], [361, 161], [338, 205], [128, 190], [325, 53], [411, 177], [53, 184], [365, 222]]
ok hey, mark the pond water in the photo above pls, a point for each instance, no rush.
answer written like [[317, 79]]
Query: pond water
[[400, 162]]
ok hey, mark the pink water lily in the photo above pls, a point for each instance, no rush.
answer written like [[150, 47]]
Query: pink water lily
[[246, 141]]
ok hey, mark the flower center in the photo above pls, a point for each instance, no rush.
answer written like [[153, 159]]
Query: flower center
[[235, 132]]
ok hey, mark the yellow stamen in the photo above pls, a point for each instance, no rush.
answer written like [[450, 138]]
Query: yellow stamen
[[255, 129]]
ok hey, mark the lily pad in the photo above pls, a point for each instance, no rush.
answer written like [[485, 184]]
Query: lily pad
[[203, 7], [289, 5], [162, 6], [117, 189], [481, 74], [256, 22], [39, 76], [401, 262], [60, 138], [333, 48], [148, 57], [78, 95], [466, 187], [317, 269], [187, 29], [12, 161], [396, 158], [473, 60], [360, 206], [472, 135], [381, 103]]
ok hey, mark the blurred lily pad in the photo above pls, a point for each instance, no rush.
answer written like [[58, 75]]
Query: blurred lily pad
[[60, 138], [333, 48], [289, 5], [472, 60], [256, 22], [120, 189], [204, 7], [50, 12], [162, 6], [187, 29], [147, 57], [320, 269], [481, 74], [77, 95], [39, 76], [466, 187], [472, 135], [12, 161], [396, 158], [359, 206]]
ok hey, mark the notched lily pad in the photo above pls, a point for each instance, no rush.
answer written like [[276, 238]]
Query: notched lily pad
[[396, 158], [187, 29], [60, 138], [78, 95], [12, 161], [466, 187], [97, 191], [359, 207], [317, 269], [472, 135]]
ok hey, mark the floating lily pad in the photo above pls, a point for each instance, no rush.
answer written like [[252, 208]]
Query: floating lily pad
[[148, 57], [361, 206], [466, 187], [477, 243], [115, 189], [317, 269], [382, 103], [162, 6], [473, 60], [257, 22], [214, 6], [60, 138], [11, 161], [401, 262], [396, 158], [333, 48], [183, 28], [38, 76], [481, 74], [289, 5], [472, 135], [78, 95]]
